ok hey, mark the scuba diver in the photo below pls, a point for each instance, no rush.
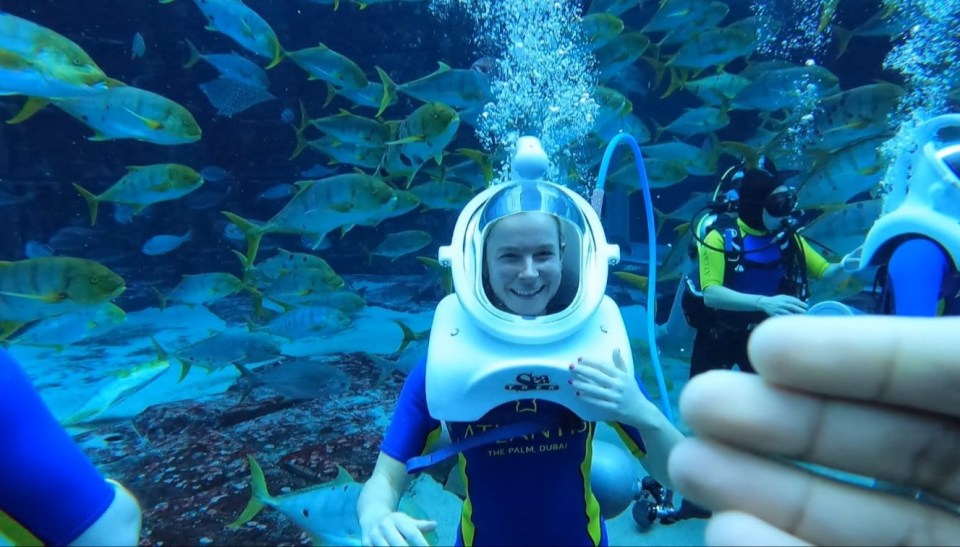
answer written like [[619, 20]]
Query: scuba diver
[[752, 265], [50, 492], [523, 360], [916, 242]]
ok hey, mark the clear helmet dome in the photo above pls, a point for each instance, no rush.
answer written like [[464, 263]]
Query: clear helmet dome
[[930, 174], [553, 243], [575, 279]]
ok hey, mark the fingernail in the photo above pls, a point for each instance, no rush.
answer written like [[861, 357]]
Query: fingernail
[[578, 394], [570, 381], [579, 359], [571, 366]]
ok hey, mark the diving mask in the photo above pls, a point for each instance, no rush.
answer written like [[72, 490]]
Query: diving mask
[[781, 203]]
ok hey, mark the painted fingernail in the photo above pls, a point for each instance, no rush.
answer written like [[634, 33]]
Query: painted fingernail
[[579, 359], [578, 394], [570, 381], [571, 366]]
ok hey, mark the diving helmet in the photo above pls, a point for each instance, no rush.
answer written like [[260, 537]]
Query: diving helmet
[[924, 197], [481, 354], [585, 257]]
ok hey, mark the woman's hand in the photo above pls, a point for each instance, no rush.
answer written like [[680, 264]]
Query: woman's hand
[[398, 529], [610, 387]]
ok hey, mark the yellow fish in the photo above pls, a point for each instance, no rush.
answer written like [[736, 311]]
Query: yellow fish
[[39, 62], [143, 186]]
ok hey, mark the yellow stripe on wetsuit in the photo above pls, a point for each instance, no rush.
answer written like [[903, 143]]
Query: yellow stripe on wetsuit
[[13, 533], [591, 504]]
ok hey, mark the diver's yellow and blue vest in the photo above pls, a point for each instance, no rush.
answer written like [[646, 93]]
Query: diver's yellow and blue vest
[[753, 263]]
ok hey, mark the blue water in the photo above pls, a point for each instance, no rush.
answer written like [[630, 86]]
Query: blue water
[[181, 447]]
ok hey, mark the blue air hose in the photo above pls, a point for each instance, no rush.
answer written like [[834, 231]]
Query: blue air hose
[[597, 200]]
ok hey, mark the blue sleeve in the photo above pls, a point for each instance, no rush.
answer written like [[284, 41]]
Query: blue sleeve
[[47, 484], [916, 271], [412, 430]]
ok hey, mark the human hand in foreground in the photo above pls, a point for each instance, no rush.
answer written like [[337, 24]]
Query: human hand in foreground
[[876, 396], [398, 529], [611, 387]]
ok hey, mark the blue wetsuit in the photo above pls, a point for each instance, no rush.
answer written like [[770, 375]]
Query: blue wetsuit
[[921, 281], [530, 490], [49, 491], [919, 275]]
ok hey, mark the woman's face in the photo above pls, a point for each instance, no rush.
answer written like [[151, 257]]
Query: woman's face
[[523, 262]]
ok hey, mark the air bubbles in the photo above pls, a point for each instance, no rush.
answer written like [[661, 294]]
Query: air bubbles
[[546, 74], [926, 57], [792, 29]]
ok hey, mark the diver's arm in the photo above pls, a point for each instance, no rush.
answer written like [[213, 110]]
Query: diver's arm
[[831, 270], [725, 298], [817, 266], [712, 266], [381, 494]]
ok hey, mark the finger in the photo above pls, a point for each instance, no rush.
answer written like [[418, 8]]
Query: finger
[[592, 391], [394, 536], [377, 539], [908, 362], [602, 366], [741, 409], [589, 372], [736, 528], [788, 309], [412, 534], [812, 508], [599, 402]]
